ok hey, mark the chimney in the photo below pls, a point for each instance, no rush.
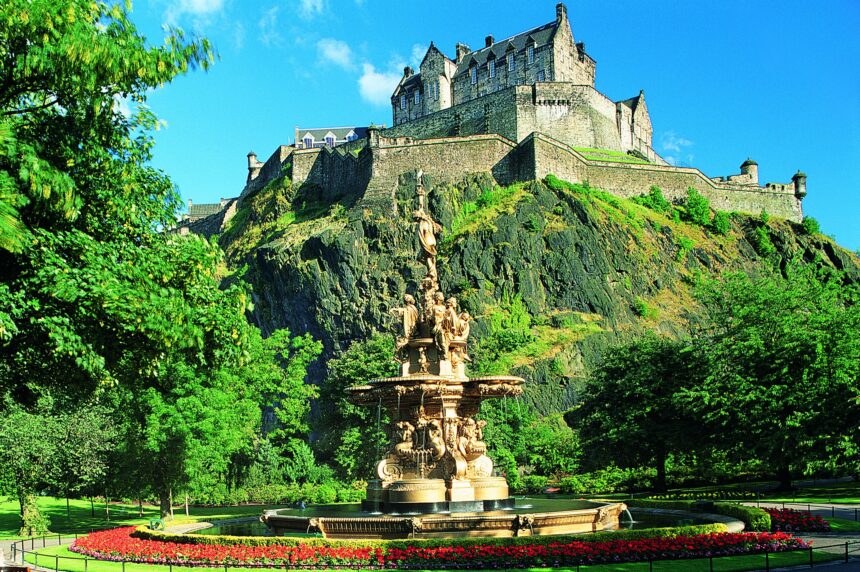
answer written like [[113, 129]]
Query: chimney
[[461, 50], [488, 41], [408, 71], [560, 12]]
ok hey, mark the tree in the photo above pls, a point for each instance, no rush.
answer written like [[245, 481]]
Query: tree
[[349, 430], [784, 367], [631, 413]]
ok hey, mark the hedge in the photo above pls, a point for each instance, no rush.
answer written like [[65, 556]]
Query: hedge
[[754, 519], [224, 540]]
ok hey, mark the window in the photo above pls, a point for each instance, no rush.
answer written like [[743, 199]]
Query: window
[[403, 101], [417, 97], [329, 140], [530, 54], [351, 136], [435, 89], [510, 62], [473, 75], [309, 142], [541, 75], [492, 67]]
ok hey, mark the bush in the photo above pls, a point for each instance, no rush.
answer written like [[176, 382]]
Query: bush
[[654, 200], [810, 225], [762, 243], [685, 245], [533, 484], [697, 208], [754, 519], [720, 223]]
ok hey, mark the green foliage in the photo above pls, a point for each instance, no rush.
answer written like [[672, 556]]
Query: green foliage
[[349, 428], [641, 309], [810, 225], [643, 379], [484, 209], [764, 217], [721, 223], [697, 208], [685, 245], [754, 519], [784, 364], [606, 480], [508, 329], [762, 243], [531, 484], [33, 522], [654, 200]]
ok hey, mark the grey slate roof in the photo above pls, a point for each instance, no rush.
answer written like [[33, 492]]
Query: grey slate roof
[[204, 210], [340, 133], [541, 36]]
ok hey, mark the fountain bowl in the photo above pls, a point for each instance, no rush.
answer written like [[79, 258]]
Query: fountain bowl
[[578, 517]]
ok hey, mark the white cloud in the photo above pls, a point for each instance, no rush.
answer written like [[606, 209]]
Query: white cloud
[[310, 8], [418, 53], [376, 86], [239, 35], [199, 9], [336, 52], [268, 25], [122, 105], [669, 141]]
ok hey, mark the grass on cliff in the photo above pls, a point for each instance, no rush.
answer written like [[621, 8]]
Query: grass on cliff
[[480, 213], [609, 156]]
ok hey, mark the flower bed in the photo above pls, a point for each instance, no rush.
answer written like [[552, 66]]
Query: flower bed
[[119, 544], [790, 520]]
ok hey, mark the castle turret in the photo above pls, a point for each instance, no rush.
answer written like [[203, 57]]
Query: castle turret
[[461, 51], [253, 166], [560, 12], [750, 169], [799, 180]]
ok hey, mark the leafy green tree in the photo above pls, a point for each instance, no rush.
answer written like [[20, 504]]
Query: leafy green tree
[[721, 223], [810, 225], [349, 433], [553, 447], [631, 413], [697, 208], [784, 368]]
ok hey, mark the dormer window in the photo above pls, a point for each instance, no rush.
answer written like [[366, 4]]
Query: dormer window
[[530, 54], [510, 62], [403, 101], [473, 75], [417, 97], [329, 140], [351, 136], [309, 142], [492, 67]]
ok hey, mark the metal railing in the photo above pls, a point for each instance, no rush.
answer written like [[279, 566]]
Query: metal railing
[[846, 552]]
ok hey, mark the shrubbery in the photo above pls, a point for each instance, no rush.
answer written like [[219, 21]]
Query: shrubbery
[[810, 225], [752, 517]]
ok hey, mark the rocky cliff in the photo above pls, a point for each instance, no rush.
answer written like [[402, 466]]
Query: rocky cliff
[[571, 268]]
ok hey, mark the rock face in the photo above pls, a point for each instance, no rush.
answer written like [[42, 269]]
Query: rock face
[[588, 267]]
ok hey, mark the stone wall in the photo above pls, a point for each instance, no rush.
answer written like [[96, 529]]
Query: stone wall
[[628, 180]]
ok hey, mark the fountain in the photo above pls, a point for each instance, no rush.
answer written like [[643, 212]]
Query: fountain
[[436, 478]]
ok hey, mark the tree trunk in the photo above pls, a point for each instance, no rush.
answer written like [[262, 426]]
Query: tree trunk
[[783, 475], [660, 486], [171, 503], [164, 503], [140, 507], [68, 510], [92, 507], [186, 505], [107, 507]]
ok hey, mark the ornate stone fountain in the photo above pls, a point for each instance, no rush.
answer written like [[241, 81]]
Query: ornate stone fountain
[[437, 459], [436, 478]]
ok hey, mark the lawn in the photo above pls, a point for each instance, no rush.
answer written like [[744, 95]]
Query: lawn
[[844, 493], [842, 524], [59, 557], [82, 519]]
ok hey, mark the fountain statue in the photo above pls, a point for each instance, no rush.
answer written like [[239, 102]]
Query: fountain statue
[[436, 459], [435, 478]]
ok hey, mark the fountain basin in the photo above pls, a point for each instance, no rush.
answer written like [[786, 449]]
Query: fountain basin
[[539, 517]]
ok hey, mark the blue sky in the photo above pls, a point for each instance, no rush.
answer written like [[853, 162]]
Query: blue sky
[[778, 81]]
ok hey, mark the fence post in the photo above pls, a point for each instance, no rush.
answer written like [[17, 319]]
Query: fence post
[[651, 564], [846, 551], [56, 563], [833, 511], [86, 563], [43, 541], [767, 561], [123, 565], [711, 562], [811, 561]]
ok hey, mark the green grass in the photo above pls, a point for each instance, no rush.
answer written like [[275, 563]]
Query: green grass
[[83, 521], [844, 493], [843, 524], [481, 212], [609, 155], [71, 562]]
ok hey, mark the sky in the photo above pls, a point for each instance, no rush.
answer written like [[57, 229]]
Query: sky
[[774, 80]]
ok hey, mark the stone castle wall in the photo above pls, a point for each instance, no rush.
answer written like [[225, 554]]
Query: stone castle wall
[[372, 170], [579, 115]]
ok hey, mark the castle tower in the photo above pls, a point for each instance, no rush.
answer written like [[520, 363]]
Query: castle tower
[[799, 180], [750, 169], [253, 166]]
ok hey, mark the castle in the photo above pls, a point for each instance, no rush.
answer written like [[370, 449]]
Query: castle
[[517, 109]]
